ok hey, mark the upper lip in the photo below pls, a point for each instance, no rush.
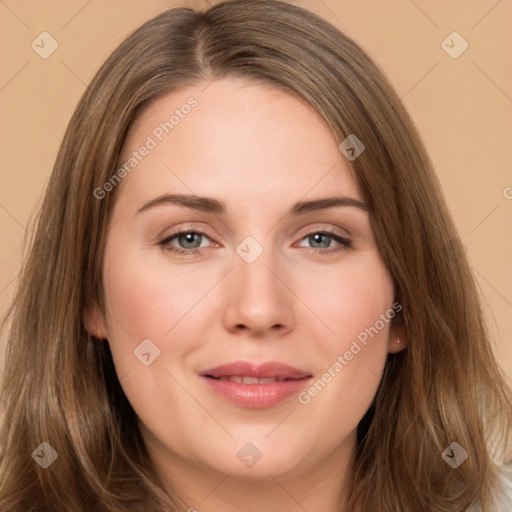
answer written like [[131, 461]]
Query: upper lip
[[266, 370]]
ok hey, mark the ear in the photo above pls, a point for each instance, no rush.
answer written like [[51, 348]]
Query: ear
[[398, 339], [95, 324]]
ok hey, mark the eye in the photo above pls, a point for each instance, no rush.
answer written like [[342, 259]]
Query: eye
[[190, 242], [321, 242]]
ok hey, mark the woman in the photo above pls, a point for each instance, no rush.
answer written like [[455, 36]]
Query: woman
[[245, 291]]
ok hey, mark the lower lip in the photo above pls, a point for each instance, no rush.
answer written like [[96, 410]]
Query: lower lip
[[256, 396]]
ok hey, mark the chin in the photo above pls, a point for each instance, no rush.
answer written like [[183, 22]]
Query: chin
[[255, 459]]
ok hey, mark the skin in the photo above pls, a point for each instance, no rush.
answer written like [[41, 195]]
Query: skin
[[258, 150]]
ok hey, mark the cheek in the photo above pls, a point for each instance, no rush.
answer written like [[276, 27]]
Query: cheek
[[147, 299], [146, 296], [357, 306], [141, 304], [351, 300]]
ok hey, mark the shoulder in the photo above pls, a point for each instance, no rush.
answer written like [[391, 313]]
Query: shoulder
[[504, 496]]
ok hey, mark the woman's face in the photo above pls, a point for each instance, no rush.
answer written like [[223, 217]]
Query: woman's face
[[258, 277]]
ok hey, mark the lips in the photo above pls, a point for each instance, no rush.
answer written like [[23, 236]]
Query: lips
[[250, 385], [243, 379], [254, 374]]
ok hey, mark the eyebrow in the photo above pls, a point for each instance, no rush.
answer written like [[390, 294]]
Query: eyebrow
[[210, 205]]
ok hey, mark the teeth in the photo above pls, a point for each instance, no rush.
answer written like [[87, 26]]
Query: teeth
[[268, 380], [232, 379], [249, 380]]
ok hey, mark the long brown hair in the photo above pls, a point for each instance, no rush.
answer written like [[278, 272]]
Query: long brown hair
[[59, 384]]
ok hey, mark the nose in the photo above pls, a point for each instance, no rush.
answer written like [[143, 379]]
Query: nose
[[259, 298]]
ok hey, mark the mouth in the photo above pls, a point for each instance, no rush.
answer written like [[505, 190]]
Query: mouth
[[247, 371], [255, 386], [245, 379]]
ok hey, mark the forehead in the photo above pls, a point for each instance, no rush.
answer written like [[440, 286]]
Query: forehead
[[241, 141]]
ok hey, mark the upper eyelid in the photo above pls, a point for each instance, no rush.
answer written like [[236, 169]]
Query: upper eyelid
[[316, 223], [331, 230]]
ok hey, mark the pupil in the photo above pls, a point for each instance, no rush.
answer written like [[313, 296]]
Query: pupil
[[316, 239], [188, 238]]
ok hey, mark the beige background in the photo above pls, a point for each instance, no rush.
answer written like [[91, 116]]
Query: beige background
[[462, 107]]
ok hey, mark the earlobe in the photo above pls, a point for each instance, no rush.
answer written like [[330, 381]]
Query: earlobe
[[398, 339], [95, 324]]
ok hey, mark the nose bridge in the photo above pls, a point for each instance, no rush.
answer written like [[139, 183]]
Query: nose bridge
[[256, 265], [258, 298]]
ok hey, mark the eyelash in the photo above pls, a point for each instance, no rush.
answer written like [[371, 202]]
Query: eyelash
[[344, 243]]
